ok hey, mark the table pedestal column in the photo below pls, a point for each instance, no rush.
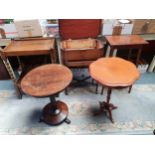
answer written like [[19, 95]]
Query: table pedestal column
[[55, 112], [107, 106]]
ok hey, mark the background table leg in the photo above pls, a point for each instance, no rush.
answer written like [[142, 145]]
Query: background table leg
[[12, 75], [138, 56], [111, 52]]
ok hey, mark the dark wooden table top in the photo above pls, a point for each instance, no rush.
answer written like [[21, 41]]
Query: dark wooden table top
[[114, 72], [46, 80], [123, 40], [29, 47]]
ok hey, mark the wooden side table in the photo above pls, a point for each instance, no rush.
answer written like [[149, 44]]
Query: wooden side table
[[113, 73], [48, 81], [126, 41], [27, 47]]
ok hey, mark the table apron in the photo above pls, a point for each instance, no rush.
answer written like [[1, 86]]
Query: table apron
[[114, 87], [126, 46], [28, 53]]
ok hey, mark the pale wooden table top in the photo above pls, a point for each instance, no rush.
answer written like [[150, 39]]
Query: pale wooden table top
[[114, 72], [29, 47], [123, 40]]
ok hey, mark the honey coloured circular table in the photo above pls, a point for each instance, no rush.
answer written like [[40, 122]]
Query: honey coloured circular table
[[113, 73], [47, 81]]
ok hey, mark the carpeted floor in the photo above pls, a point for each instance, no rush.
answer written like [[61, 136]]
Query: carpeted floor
[[135, 113]]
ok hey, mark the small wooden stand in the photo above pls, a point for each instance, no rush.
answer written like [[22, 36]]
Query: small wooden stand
[[47, 81], [113, 73]]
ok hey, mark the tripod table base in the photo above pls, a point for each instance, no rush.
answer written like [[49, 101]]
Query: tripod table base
[[107, 107]]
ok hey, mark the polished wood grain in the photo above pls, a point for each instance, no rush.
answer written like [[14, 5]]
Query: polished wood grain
[[79, 28], [29, 47], [81, 58], [46, 80], [114, 72], [125, 40], [55, 113]]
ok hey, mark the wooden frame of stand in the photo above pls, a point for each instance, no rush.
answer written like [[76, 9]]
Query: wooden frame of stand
[[27, 47]]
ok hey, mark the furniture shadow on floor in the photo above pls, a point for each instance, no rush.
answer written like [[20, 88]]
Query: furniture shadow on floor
[[34, 117]]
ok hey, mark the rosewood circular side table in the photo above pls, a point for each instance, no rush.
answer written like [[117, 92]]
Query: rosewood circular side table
[[47, 81], [113, 73]]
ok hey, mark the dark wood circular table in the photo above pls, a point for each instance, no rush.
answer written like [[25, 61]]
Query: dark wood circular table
[[47, 81], [113, 73]]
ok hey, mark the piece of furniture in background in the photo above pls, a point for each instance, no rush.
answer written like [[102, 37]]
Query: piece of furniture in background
[[127, 42], [143, 27], [27, 47], [147, 54], [79, 44], [146, 29], [13, 60], [48, 81], [113, 73]]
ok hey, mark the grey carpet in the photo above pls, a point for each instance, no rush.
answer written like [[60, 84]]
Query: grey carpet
[[135, 113]]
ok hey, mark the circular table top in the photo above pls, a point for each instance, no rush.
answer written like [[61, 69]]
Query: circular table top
[[114, 72], [46, 80]]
